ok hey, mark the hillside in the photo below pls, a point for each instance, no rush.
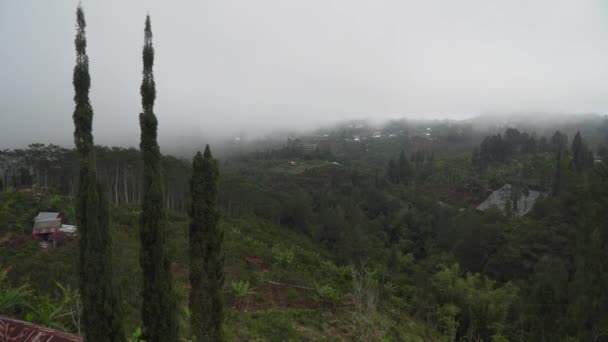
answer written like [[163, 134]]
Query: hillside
[[328, 247], [297, 294]]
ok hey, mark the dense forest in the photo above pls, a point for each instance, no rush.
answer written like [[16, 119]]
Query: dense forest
[[401, 223], [413, 230]]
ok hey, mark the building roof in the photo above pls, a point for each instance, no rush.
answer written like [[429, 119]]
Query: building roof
[[48, 223], [45, 215], [503, 200], [15, 330], [68, 229], [46, 226], [254, 260]]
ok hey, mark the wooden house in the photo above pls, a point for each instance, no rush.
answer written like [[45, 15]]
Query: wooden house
[[49, 228]]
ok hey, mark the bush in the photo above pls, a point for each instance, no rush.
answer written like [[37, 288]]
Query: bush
[[274, 326], [327, 295], [283, 256], [12, 299]]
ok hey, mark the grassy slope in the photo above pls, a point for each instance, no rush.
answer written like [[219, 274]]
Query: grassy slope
[[274, 312]]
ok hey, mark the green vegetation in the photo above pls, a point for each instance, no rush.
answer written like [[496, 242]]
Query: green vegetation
[[340, 252], [206, 254], [102, 321], [159, 309], [352, 232], [241, 290], [11, 299]]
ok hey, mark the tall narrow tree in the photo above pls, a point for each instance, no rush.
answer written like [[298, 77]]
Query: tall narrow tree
[[159, 309], [403, 167], [559, 142], [582, 156], [206, 254], [578, 153], [102, 315]]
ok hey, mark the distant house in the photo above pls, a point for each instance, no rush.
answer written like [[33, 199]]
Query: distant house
[[68, 229], [45, 215], [48, 228], [506, 201]]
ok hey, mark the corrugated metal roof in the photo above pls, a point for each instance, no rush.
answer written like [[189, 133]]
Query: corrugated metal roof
[[68, 229], [45, 215], [502, 199], [45, 230], [15, 330], [49, 223]]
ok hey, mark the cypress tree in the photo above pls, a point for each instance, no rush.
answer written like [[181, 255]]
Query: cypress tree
[[403, 167], [159, 308], [392, 172], [557, 178], [559, 142], [578, 153], [582, 156], [206, 254], [102, 315]]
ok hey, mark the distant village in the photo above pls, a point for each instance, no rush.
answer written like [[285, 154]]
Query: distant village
[[49, 229]]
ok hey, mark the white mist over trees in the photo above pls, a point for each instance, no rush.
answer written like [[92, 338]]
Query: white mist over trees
[[250, 66]]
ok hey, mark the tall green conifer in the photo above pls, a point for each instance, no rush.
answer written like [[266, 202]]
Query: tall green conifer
[[206, 254], [159, 308], [403, 167], [102, 315], [582, 156], [579, 153], [559, 142]]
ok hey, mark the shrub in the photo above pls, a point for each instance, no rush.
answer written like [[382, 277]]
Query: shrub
[[327, 295], [283, 256], [12, 299], [242, 290]]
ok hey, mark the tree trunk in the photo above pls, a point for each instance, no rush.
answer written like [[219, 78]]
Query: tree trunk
[[125, 185], [116, 186], [133, 181]]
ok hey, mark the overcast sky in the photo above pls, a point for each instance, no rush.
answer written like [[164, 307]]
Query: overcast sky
[[238, 65]]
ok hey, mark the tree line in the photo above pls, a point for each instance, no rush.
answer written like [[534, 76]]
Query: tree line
[[56, 167], [568, 162], [102, 312]]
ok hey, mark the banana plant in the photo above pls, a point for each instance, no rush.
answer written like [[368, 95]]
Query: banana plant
[[12, 298], [62, 312], [49, 314], [242, 290]]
